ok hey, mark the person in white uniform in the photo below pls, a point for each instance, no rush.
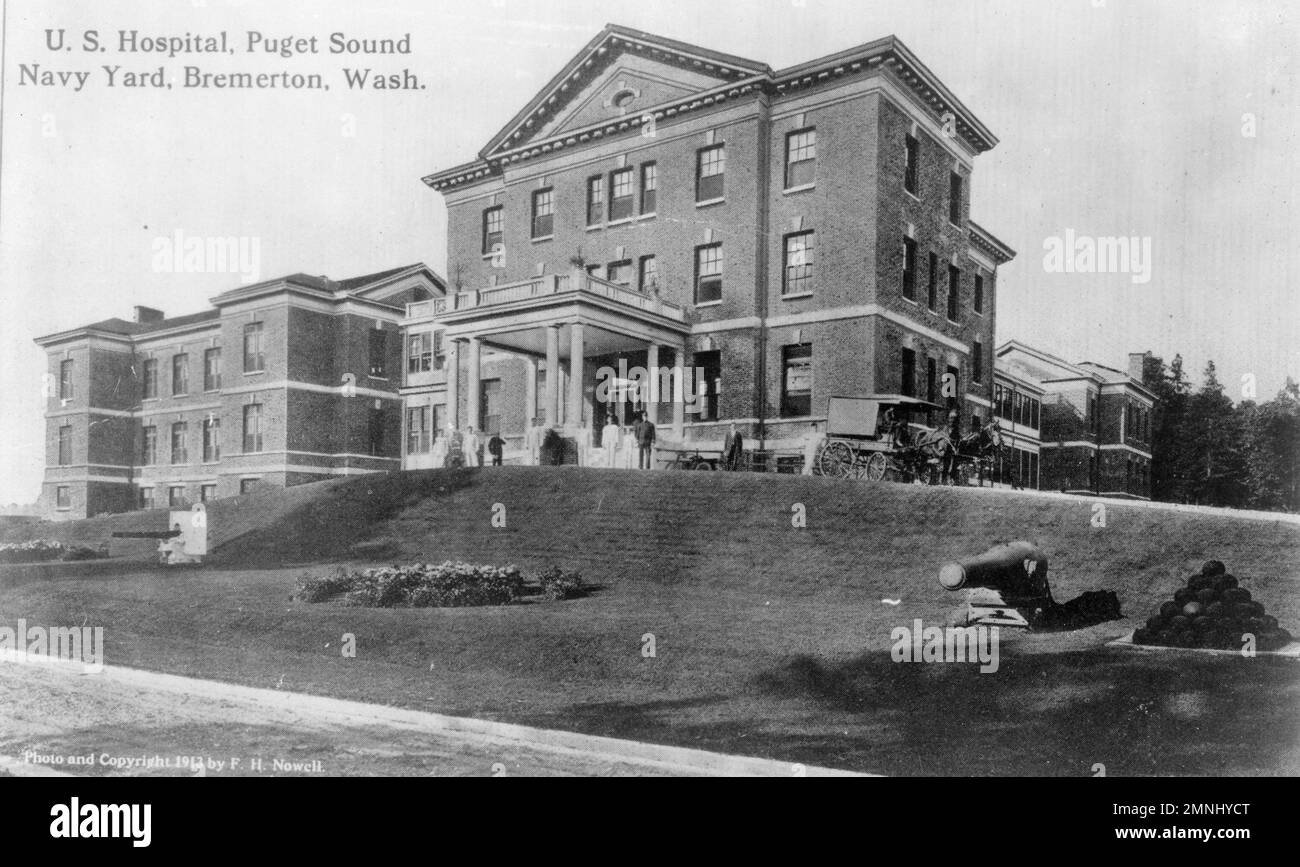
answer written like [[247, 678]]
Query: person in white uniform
[[609, 441]]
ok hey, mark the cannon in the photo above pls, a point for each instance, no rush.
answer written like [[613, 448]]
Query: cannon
[[1006, 586]]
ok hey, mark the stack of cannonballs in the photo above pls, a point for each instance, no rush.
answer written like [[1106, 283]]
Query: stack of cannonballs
[[1212, 611]]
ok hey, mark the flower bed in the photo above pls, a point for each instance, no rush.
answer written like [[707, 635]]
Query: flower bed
[[425, 585], [46, 550]]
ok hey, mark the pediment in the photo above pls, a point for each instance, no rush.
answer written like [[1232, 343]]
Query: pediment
[[620, 74]]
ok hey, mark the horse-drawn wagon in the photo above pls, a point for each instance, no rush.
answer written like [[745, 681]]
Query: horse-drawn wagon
[[882, 436]]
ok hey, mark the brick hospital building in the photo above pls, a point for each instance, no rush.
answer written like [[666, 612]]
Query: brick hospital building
[[789, 234]]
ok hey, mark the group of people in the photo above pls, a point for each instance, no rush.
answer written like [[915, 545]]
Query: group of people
[[467, 449], [618, 443]]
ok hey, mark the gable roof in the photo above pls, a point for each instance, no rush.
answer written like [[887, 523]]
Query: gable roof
[[553, 118]]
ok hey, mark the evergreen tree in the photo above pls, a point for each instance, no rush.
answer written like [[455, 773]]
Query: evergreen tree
[[1273, 451], [1218, 474], [1170, 447]]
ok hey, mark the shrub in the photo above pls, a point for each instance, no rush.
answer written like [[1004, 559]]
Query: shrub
[[311, 589], [422, 585], [33, 551], [559, 584]]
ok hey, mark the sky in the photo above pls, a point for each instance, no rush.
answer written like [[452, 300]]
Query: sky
[[1172, 123]]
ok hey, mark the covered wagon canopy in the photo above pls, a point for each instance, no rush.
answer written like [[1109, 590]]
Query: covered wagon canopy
[[860, 416]]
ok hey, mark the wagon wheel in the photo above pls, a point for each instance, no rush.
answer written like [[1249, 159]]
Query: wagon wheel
[[702, 464], [877, 466], [836, 460]]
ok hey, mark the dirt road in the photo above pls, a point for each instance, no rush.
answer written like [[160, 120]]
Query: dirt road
[[55, 718]]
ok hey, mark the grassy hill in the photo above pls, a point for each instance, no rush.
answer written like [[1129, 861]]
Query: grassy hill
[[771, 639]]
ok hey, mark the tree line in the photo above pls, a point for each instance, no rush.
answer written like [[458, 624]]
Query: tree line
[[1206, 450]]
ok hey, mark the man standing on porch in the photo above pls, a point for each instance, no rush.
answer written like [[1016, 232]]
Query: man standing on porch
[[609, 440], [646, 444], [811, 441]]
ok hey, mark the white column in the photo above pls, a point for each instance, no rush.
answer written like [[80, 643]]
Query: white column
[[576, 352], [453, 385], [679, 403], [652, 365], [530, 392], [552, 375], [472, 387]]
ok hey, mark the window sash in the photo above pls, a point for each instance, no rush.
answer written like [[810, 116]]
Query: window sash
[[621, 194], [649, 188], [493, 229], [954, 290], [180, 374], [708, 274], [710, 174], [149, 447], [954, 198], [378, 353], [65, 380], [800, 158], [595, 200], [619, 272], [932, 288], [909, 269], [212, 370], [417, 430], [253, 428], [649, 274], [977, 302], [911, 156], [211, 441], [150, 377], [180, 444], [799, 257], [254, 358], [65, 445], [419, 353], [543, 213]]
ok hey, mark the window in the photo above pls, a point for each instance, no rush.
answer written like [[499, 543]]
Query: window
[[146, 498], [594, 271], [708, 273], [909, 269], [931, 379], [247, 485], [62, 497], [207, 493], [796, 381], [907, 385], [954, 290], [954, 199], [378, 353], [932, 288], [440, 420], [493, 229], [65, 379], [595, 200], [211, 439], [176, 497], [544, 213], [254, 358], [649, 275], [419, 353], [649, 188], [376, 430], [620, 272], [252, 428], [710, 172], [800, 158], [620, 194], [977, 360], [180, 375], [150, 378], [911, 158], [149, 446], [439, 353], [977, 302], [956, 385], [65, 445], [418, 441], [798, 269], [1035, 407], [490, 405], [180, 443], [212, 370]]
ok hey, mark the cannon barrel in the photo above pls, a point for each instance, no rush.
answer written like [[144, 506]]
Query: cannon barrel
[[1017, 569]]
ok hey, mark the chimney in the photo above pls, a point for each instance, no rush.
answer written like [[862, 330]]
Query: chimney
[[146, 315], [1135, 362]]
